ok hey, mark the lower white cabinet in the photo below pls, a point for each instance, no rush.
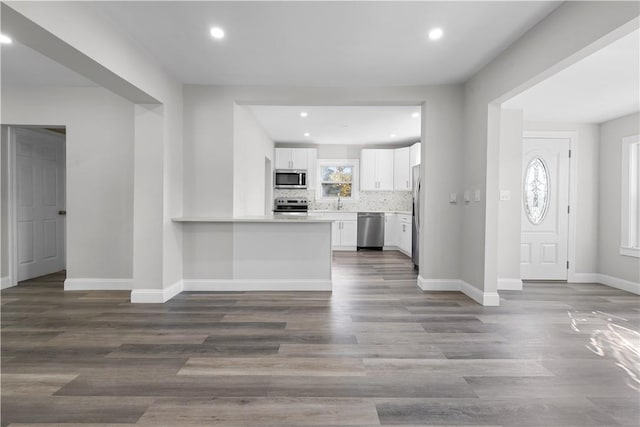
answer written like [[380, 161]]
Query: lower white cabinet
[[344, 235], [404, 233], [344, 229], [390, 229]]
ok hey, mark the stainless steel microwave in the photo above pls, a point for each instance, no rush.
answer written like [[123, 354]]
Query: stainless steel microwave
[[288, 178]]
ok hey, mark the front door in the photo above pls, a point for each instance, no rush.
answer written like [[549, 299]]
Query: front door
[[545, 209], [40, 174]]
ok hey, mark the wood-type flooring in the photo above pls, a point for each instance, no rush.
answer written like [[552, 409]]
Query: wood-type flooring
[[376, 351]]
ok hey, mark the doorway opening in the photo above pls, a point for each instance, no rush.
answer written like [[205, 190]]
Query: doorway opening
[[34, 188]]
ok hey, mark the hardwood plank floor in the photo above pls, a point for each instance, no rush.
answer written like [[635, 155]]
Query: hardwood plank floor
[[376, 351]]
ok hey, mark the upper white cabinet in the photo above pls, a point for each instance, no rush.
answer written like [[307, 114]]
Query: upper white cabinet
[[414, 154], [312, 155], [292, 158], [402, 169], [376, 170]]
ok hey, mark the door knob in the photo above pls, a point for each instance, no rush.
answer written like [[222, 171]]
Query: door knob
[[62, 212]]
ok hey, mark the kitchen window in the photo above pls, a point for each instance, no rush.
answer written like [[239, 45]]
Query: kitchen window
[[630, 224], [337, 178]]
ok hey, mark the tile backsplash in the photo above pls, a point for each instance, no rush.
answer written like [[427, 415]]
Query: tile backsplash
[[370, 201]]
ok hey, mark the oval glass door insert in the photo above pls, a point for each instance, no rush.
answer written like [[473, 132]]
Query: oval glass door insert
[[536, 190]]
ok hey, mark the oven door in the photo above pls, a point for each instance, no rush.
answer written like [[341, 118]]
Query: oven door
[[291, 179]]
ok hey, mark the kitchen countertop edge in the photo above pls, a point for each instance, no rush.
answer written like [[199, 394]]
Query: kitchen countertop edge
[[252, 219]]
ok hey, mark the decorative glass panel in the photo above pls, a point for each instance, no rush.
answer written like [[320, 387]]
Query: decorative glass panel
[[536, 190]]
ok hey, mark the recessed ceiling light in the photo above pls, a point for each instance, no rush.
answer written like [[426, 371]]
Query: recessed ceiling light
[[304, 114], [436, 33], [307, 134], [392, 135], [5, 40], [414, 115], [217, 33]]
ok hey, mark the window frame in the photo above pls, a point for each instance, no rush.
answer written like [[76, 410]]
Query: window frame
[[355, 183], [630, 197]]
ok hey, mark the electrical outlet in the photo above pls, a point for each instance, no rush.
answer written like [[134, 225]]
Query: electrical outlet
[[476, 196], [453, 197], [467, 196], [505, 195]]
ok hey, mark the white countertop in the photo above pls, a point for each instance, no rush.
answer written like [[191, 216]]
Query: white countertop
[[255, 219]]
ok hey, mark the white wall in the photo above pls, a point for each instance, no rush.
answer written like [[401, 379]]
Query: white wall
[[209, 152], [585, 211], [101, 52], [529, 60], [610, 262], [251, 146], [4, 198], [99, 150], [510, 176]]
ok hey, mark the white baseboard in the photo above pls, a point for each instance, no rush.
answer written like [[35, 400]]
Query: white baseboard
[[5, 282], [584, 278], [484, 298], [98, 284], [438, 284], [226, 285], [156, 296], [615, 282], [509, 284]]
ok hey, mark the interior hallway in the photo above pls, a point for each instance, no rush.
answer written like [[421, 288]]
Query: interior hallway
[[375, 351]]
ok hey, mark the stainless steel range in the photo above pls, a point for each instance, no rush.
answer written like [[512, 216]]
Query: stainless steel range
[[284, 206]]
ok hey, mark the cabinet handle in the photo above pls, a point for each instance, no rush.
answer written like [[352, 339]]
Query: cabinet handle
[[407, 184]]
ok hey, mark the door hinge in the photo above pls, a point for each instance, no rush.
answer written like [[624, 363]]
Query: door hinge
[[568, 209], [569, 153], [567, 265]]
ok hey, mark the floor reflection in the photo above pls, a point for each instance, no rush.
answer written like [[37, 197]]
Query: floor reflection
[[614, 339]]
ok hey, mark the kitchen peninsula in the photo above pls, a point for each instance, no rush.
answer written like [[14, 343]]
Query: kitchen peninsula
[[258, 253]]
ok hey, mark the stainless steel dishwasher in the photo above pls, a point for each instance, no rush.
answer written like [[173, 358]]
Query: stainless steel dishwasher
[[370, 230]]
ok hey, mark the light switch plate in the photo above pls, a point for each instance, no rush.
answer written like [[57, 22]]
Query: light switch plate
[[467, 196], [453, 197], [505, 195], [476, 196]]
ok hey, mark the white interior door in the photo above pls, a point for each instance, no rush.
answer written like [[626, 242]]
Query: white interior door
[[40, 174], [545, 209]]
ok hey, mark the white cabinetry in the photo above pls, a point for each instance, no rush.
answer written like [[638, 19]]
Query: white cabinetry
[[312, 154], [390, 229], [414, 155], [300, 159], [404, 233], [376, 170], [344, 229], [292, 158], [402, 169], [345, 235]]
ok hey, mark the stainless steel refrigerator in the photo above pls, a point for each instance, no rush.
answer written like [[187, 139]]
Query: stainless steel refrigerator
[[415, 223]]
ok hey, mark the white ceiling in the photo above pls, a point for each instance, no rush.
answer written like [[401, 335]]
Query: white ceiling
[[22, 65], [323, 43], [349, 125], [598, 88]]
